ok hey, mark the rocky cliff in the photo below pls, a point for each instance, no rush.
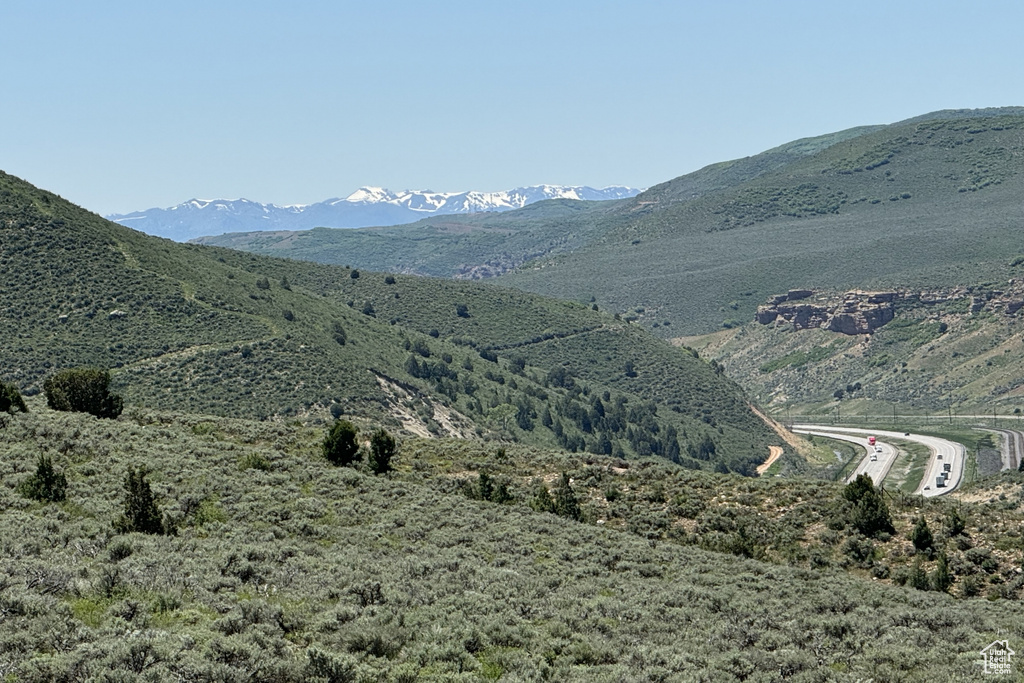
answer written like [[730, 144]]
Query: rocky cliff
[[859, 312]]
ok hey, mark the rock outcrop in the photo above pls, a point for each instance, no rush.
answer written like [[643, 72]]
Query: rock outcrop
[[857, 313]]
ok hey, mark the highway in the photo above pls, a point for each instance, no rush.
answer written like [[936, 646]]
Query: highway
[[876, 469], [1012, 447], [943, 452]]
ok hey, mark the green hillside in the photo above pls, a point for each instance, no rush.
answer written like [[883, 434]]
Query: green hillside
[[959, 356], [283, 568], [931, 203], [227, 333], [928, 202]]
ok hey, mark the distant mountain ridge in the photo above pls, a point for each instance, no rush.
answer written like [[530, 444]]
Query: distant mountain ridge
[[367, 206]]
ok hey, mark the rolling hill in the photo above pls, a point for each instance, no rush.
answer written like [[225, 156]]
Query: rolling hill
[[234, 334], [927, 202]]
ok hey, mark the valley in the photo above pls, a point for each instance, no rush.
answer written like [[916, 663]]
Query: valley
[[579, 488]]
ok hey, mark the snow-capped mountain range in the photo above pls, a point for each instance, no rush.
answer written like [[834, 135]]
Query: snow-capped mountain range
[[365, 207]]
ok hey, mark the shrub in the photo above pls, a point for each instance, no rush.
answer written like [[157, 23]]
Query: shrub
[[11, 400], [338, 332], [83, 390], [340, 446], [955, 523], [382, 450], [47, 484], [462, 310], [141, 512]]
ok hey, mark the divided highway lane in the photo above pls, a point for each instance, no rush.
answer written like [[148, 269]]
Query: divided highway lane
[[877, 468], [943, 452], [1012, 448]]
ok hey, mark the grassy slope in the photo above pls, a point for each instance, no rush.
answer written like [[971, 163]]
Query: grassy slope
[[189, 327], [926, 202], [405, 577], [941, 210], [483, 245], [973, 366]]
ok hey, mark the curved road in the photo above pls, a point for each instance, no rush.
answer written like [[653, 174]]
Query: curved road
[[1012, 448], [877, 468], [943, 452]]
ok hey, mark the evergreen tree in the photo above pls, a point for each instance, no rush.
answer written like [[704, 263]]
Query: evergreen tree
[[921, 536], [955, 523], [83, 390], [917, 578], [485, 486], [340, 446], [541, 500], [382, 450], [942, 579], [501, 494], [566, 503], [47, 484], [141, 512], [11, 400], [870, 514]]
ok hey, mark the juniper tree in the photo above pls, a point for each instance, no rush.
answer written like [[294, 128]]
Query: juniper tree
[[47, 484], [566, 503], [955, 523], [485, 486], [941, 578], [870, 514], [918, 578], [340, 446], [83, 390], [921, 536], [541, 500], [382, 450], [141, 512], [11, 400]]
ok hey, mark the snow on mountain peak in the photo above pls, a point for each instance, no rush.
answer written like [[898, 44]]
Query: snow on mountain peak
[[365, 207], [370, 195]]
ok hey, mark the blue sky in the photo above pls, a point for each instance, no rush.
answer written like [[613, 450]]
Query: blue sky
[[120, 106]]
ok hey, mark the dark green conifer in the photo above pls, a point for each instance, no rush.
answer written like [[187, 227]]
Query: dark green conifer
[[566, 503], [340, 446], [382, 450], [141, 512], [11, 400], [83, 390], [47, 484]]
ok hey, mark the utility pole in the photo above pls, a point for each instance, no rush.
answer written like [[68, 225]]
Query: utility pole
[[894, 413]]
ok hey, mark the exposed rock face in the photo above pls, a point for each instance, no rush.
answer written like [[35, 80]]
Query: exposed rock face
[[864, 312], [857, 313]]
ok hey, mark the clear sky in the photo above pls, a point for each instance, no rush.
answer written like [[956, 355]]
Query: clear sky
[[120, 106]]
